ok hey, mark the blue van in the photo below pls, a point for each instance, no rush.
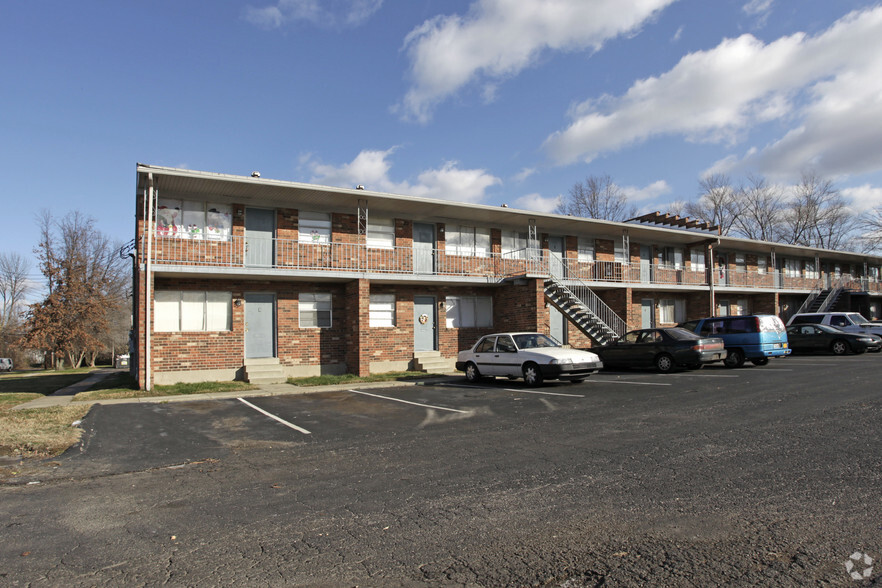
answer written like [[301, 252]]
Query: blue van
[[754, 337]]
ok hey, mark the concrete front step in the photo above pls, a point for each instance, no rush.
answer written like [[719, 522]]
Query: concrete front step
[[264, 370], [433, 363]]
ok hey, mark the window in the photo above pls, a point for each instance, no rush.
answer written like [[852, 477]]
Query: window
[[514, 244], [672, 310], [381, 232], [791, 268], [315, 310], [382, 310], [811, 270], [740, 264], [762, 265], [666, 310], [670, 257], [742, 307], [469, 311], [192, 311], [620, 254], [186, 219], [314, 227], [697, 260], [586, 249], [470, 241]]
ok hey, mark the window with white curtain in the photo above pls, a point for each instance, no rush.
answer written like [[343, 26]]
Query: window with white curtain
[[666, 310], [670, 257], [762, 265], [469, 311], [792, 268], [382, 310], [314, 227], [315, 310], [740, 263], [177, 310], [586, 249], [620, 254], [514, 244], [381, 232], [190, 219], [811, 271], [468, 241], [696, 257]]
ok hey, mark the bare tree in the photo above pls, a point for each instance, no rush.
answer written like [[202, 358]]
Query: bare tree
[[761, 210], [598, 197], [871, 224], [14, 288], [819, 216], [86, 282], [717, 203]]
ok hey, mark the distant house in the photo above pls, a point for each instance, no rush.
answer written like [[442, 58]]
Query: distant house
[[258, 279]]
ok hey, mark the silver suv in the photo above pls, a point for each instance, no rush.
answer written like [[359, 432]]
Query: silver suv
[[850, 322]]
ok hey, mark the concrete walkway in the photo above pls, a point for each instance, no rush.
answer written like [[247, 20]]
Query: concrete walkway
[[65, 396]]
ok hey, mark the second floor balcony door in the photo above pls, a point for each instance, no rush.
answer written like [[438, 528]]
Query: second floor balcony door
[[556, 258], [423, 248], [260, 228]]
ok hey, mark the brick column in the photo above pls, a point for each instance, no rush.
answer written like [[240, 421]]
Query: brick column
[[357, 301]]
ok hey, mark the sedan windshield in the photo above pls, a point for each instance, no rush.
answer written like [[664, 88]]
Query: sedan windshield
[[534, 340]]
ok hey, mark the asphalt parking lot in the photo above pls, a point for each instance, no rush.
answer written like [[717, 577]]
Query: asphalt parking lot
[[758, 476]]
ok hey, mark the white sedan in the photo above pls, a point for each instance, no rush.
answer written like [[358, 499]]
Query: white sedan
[[532, 356]]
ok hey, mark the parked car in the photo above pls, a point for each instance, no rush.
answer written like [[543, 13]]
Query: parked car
[[663, 349], [5, 364], [851, 322], [814, 338], [754, 337], [532, 356]]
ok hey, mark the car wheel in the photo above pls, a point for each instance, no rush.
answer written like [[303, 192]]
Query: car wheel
[[759, 360], [735, 359], [471, 372], [839, 347], [532, 375], [664, 363]]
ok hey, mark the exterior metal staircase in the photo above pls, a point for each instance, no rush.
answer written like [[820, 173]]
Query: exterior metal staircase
[[585, 310]]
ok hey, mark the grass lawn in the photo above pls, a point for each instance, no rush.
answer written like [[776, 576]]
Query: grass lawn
[[39, 432], [124, 387], [41, 382], [353, 379]]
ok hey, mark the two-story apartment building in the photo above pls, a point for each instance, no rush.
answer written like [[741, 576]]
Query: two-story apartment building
[[234, 274]]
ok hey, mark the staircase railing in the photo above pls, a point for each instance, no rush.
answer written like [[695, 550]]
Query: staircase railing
[[835, 291], [586, 296], [812, 296]]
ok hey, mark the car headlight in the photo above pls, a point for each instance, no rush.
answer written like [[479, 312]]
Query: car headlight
[[566, 360], [866, 340]]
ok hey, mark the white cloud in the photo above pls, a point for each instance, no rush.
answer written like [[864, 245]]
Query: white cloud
[[538, 203], [524, 174], [497, 39], [324, 13], [864, 197], [757, 7], [650, 192], [831, 84], [371, 169]]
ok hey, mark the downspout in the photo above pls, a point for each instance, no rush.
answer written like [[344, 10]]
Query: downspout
[[148, 290], [709, 256]]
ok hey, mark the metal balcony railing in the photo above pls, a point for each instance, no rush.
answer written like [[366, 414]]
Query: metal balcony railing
[[289, 254]]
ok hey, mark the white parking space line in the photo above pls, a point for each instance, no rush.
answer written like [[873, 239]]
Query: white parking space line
[[512, 390], [593, 381], [545, 393], [700, 375], [274, 417], [409, 402]]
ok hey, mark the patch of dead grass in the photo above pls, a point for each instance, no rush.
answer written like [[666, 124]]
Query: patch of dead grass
[[40, 432]]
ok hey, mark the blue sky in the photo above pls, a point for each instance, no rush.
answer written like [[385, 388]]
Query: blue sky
[[488, 101]]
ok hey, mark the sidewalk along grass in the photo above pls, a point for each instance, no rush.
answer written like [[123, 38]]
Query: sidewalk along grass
[[39, 381]]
